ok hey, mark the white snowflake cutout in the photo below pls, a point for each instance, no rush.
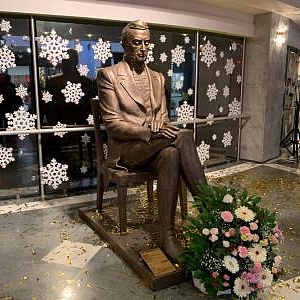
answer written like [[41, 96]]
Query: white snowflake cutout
[[150, 57], [7, 59], [47, 97], [163, 57], [20, 120], [203, 152], [60, 126], [5, 26], [178, 55], [208, 54], [212, 92], [235, 108], [53, 48], [170, 73], [163, 38], [73, 92], [239, 79], [227, 138], [214, 137], [102, 50], [178, 85], [21, 91], [83, 168], [210, 116], [54, 173], [190, 91], [90, 120], [187, 39], [5, 156], [1, 98], [85, 138], [185, 112], [78, 47], [218, 73], [226, 91], [83, 70], [233, 46], [229, 66], [105, 151]]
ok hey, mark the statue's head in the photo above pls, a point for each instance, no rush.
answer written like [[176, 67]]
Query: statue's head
[[136, 41]]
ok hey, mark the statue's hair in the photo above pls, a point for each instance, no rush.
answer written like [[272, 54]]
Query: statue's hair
[[137, 24]]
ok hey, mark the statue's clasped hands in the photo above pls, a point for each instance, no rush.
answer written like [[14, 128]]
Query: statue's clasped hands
[[160, 129]]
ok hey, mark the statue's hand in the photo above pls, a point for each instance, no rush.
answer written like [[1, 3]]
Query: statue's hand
[[155, 126], [166, 131]]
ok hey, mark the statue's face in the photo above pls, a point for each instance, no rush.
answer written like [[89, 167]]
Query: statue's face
[[137, 45]]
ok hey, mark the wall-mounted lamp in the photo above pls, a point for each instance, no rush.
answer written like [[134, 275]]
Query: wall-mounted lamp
[[281, 34]]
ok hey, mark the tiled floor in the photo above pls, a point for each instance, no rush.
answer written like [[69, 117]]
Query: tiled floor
[[48, 253]]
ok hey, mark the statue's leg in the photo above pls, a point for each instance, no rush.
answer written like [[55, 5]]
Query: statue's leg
[[191, 169], [166, 165]]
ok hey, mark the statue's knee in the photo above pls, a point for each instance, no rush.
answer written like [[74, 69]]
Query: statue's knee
[[171, 154]]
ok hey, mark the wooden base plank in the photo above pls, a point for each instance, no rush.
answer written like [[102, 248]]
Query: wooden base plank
[[129, 246]]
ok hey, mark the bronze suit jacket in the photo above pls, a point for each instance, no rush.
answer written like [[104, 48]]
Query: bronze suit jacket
[[123, 109]]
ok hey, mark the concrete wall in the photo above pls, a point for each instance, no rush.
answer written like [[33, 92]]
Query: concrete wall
[[263, 90]]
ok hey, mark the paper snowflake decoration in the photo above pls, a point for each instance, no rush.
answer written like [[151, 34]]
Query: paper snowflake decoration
[[221, 54], [1, 98], [226, 91], [102, 50], [150, 57], [53, 48], [5, 156], [187, 39], [235, 108], [78, 47], [105, 151], [83, 70], [163, 38], [83, 168], [5, 26], [203, 152], [60, 126], [178, 55], [212, 92], [218, 73], [185, 112], [229, 66], [54, 174], [208, 54], [190, 91], [178, 85], [221, 109], [73, 92], [7, 59], [233, 46], [163, 57], [214, 137], [47, 97], [227, 138], [239, 79], [170, 73], [20, 120], [210, 116], [21, 91], [85, 139], [90, 120]]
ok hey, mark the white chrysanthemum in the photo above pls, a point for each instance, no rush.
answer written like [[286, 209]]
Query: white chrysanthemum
[[257, 253], [231, 264], [227, 198], [241, 288], [266, 277], [226, 244], [205, 231], [244, 213]]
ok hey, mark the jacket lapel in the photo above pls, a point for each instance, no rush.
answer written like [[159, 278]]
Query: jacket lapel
[[154, 89], [127, 82]]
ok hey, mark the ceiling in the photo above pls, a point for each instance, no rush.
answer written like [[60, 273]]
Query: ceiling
[[243, 8]]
